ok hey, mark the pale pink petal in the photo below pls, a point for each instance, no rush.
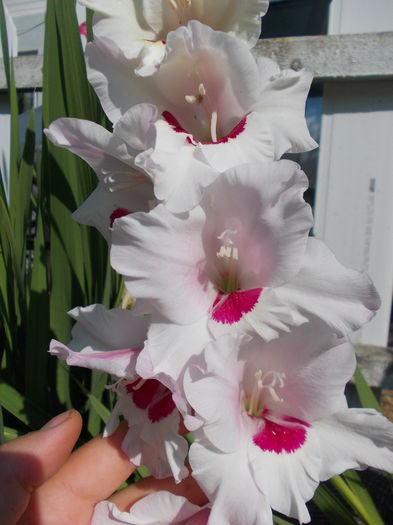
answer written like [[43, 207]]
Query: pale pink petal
[[268, 216], [315, 368], [287, 480], [119, 363], [179, 179], [282, 103], [154, 442], [354, 438], [216, 401], [100, 207], [110, 73], [249, 141], [102, 150], [106, 513], [136, 128], [119, 21], [160, 256], [159, 508], [105, 340], [171, 346], [121, 183], [342, 297], [224, 65], [163, 508], [229, 484]]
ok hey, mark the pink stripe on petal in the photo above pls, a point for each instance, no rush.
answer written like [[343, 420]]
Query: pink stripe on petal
[[277, 438], [161, 409], [113, 354], [230, 308], [143, 395], [117, 214]]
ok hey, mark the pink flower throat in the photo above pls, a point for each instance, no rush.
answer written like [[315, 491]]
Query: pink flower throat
[[153, 396]]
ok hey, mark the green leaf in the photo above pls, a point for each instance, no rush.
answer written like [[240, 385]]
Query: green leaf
[[63, 384], [352, 499], [11, 433], [100, 409], [98, 382], [355, 484], [37, 323], [20, 204], [96, 404], [366, 395], [333, 508], [278, 520], [21, 407], [2, 437]]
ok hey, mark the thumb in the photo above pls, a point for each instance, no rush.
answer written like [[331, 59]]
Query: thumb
[[28, 461]]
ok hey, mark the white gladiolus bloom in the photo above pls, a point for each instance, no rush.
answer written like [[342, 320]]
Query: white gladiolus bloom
[[159, 508], [123, 187], [140, 29], [111, 341], [218, 107], [240, 261], [276, 415]]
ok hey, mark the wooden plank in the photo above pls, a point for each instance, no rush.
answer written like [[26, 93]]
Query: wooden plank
[[28, 72], [330, 58], [335, 57]]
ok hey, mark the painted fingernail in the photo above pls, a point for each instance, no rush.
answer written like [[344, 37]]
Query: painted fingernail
[[58, 420]]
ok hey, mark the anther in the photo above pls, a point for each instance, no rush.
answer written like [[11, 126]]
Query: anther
[[202, 89], [190, 99]]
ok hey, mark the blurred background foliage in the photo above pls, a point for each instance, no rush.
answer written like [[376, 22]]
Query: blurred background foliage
[[49, 264]]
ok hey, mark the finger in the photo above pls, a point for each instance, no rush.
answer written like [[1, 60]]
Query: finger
[[96, 469], [189, 488], [29, 461], [92, 473]]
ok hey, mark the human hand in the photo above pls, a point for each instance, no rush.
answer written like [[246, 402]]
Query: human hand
[[42, 483]]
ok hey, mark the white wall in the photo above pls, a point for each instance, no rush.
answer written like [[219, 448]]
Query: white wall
[[354, 199]]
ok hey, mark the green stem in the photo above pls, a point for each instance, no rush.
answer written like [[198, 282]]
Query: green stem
[[351, 498]]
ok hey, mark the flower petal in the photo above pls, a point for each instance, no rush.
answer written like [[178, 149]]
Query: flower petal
[[288, 480], [342, 297], [159, 508], [262, 203], [228, 482], [106, 340], [179, 179], [160, 256], [250, 141], [354, 438], [282, 103], [171, 346]]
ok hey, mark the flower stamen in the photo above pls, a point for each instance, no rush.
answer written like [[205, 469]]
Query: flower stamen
[[228, 257], [263, 389]]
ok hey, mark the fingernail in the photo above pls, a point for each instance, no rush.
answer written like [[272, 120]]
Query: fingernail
[[58, 420]]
